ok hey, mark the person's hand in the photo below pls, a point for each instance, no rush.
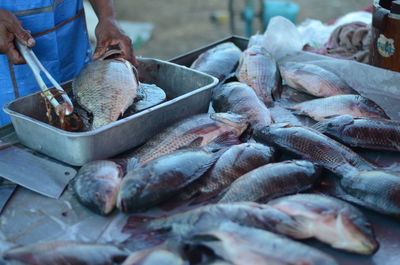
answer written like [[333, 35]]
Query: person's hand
[[109, 34], [10, 28]]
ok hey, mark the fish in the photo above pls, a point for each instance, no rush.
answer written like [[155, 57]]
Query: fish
[[106, 88], [97, 184], [314, 80], [354, 105], [378, 190], [249, 214], [233, 163], [280, 115], [239, 98], [195, 131], [271, 181], [313, 146], [329, 220], [66, 252], [219, 61], [290, 96], [244, 245], [259, 70], [369, 133], [156, 181]]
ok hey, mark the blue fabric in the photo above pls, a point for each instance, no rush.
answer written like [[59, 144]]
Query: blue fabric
[[62, 52]]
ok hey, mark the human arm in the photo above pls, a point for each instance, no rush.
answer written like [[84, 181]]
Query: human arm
[[108, 33]]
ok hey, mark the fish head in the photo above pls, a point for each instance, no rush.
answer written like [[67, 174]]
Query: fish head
[[335, 124], [236, 121]]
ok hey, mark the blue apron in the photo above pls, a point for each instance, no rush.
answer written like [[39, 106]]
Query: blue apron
[[62, 45]]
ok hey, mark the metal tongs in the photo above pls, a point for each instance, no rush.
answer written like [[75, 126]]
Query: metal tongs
[[36, 67]]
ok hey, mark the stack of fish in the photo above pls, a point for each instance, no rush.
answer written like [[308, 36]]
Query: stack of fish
[[246, 174]]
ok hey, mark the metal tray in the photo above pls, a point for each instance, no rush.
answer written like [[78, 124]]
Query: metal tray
[[188, 91]]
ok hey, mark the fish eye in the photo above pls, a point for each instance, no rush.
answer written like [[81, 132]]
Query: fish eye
[[330, 125]]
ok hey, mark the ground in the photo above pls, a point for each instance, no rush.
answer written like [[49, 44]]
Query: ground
[[182, 25]]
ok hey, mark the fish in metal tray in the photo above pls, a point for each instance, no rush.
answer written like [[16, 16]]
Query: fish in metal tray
[[330, 220], [219, 61], [314, 80], [244, 245], [258, 69], [66, 252], [96, 185], [239, 98], [106, 88], [354, 105], [271, 181], [370, 133]]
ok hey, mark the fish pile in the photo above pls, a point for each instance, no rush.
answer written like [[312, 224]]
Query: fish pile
[[243, 181]]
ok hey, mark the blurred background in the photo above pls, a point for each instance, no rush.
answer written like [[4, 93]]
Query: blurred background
[[164, 29]]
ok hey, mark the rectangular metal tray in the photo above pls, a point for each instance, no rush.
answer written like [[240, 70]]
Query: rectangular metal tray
[[189, 92]]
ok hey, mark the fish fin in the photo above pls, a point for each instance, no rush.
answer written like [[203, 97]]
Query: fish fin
[[196, 142], [330, 116], [319, 126], [204, 197], [298, 230], [395, 144], [222, 141], [132, 164]]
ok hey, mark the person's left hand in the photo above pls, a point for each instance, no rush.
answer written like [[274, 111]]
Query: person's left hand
[[109, 34]]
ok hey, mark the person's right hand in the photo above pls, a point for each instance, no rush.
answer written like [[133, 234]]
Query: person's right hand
[[10, 28]]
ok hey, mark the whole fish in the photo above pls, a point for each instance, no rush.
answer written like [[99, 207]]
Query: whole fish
[[314, 80], [66, 252], [219, 61], [157, 180], [106, 88], [241, 99], [195, 131], [258, 69], [354, 105], [271, 181], [376, 189], [244, 213], [244, 245], [312, 145], [236, 161], [368, 133], [96, 185], [330, 220]]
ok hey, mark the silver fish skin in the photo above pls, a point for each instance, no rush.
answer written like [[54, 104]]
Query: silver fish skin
[[233, 163], [159, 179], [259, 70], [354, 105], [377, 190], [271, 181], [196, 131], [66, 252], [239, 98], [219, 61], [314, 80], [370, 133], [313, 146], [244, 245], [329, 220], [244, 213], [105, 88], [97, 184]]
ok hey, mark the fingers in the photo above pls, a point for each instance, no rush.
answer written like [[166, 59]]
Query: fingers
[[14, 26], [14, 56], [126, 47]]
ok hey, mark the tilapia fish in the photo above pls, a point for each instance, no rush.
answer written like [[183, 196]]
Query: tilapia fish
[[244, 213], [314, 80], [196, 131], [96, 185], [243, 246], [330, 220], [354, 105], [157, 180], [368, 133], [377, 190], [219, 61], [258, 69], [66, 252], [236, 161], [312, 145], [271, 181], [105, 88], [240, 98]]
